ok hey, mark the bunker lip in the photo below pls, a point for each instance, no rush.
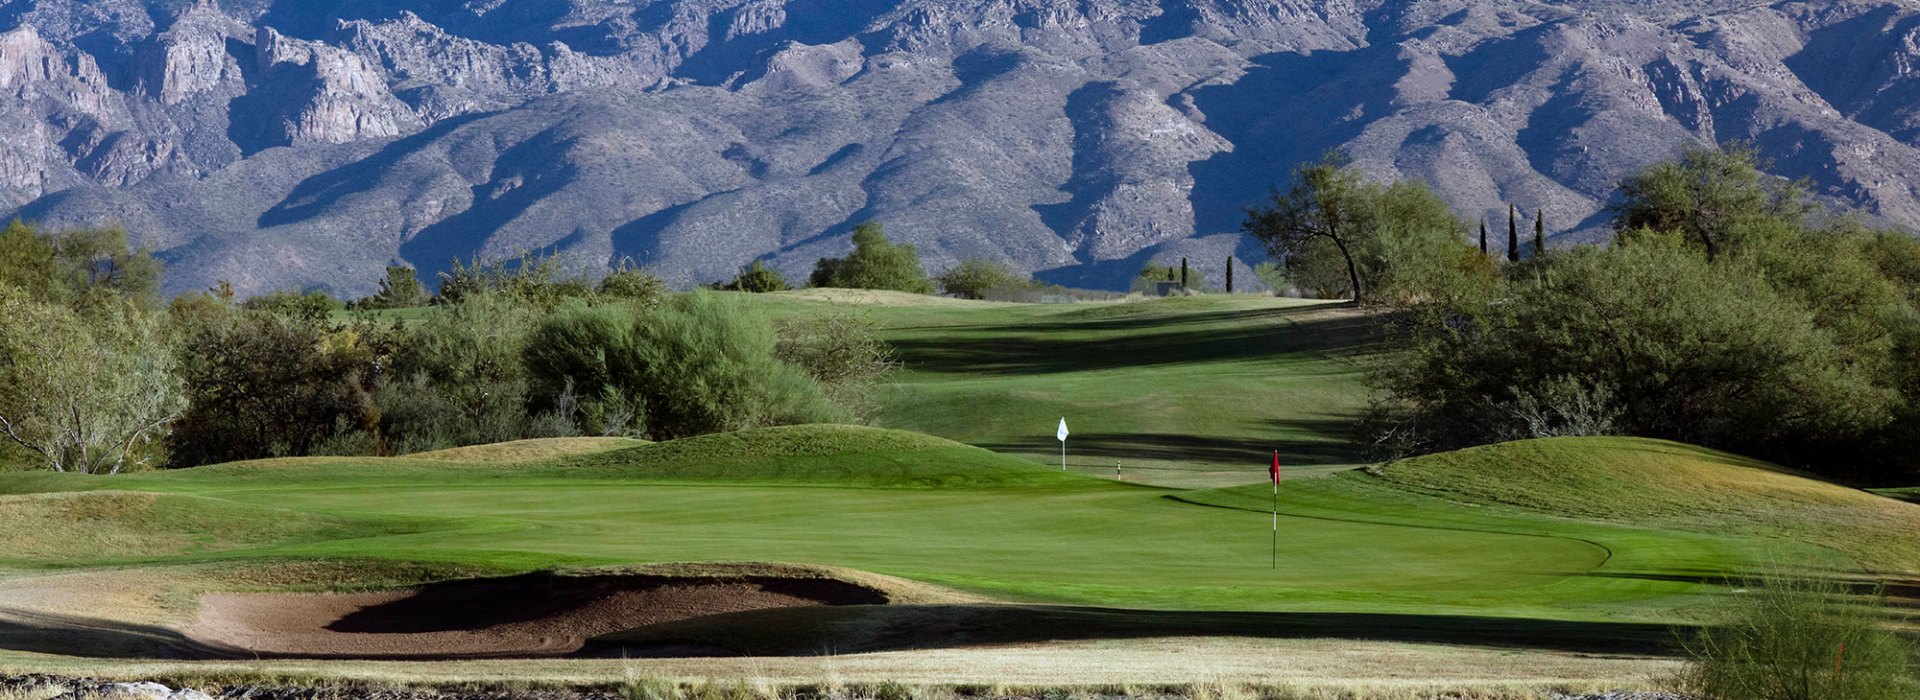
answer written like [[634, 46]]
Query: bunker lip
[[531, 615]]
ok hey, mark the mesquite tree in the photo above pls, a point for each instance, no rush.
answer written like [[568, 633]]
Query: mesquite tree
[[87, 393], [1326, 205]]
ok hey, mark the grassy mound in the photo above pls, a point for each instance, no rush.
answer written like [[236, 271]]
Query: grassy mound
[[529, 450], [1651, 482], [841, 455], [879, 297], [108, 525]]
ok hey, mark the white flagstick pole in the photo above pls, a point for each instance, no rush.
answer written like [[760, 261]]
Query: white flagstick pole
[[1062, 435], [1274, 562]]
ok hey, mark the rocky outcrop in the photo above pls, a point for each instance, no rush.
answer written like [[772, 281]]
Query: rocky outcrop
[[295, 144]]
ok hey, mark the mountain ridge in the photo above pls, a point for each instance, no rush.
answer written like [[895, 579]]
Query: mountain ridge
[[290, 144]]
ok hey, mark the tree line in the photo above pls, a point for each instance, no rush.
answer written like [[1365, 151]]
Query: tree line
[[1730, 310], [99, 374]]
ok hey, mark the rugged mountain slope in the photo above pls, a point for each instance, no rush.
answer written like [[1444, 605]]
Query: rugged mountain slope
[[296, 143]]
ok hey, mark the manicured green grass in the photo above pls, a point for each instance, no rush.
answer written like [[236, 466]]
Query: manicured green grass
[[1186, 391], [928, 509], [1654, 483]]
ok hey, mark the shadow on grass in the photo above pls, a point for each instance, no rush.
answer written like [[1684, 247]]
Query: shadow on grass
[[1044, 348], [810, 631], [1331, 443]]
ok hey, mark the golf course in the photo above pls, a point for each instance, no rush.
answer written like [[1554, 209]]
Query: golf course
[[947, 543]]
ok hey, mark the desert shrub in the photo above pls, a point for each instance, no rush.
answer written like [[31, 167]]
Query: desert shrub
[[839, 351], [710, 367], [756, 278], [1715, 357], [531, 279], [1749, 323], [699, 364], [260, 384], [399, 289], [315, 305], [458, 379], [976, 278], [89, 393], [584, 362], [1794, 638], [875, 263], [635, 286]]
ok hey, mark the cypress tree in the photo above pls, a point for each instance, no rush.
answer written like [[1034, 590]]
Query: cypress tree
[[1513, 235], [1229, 274], [1183, 273], [1483, 236], [1539, 232]]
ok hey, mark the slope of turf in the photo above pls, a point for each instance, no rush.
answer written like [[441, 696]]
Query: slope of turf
[[927, 509], [529, 450], [1184, 391], [839, 455], [1673, 486], [105, 525]]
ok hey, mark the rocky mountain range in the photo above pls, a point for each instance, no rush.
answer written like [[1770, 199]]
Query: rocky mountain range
[[308, 143]]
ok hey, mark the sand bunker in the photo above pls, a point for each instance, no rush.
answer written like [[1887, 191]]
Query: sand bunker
[[520, 616]]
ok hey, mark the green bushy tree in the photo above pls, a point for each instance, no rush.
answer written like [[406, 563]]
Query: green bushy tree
[[875, 263], [756, 278], [88, 393], [77, 266], [1715, 357], [1717, 198], [534, 279], [976, 278], [698, 364], [260, 384], [634, 286], [1385, 239], [458, 379], [399, 289], [316, 305]]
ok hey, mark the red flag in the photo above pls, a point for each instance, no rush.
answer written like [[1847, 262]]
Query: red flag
[[1274, 471]]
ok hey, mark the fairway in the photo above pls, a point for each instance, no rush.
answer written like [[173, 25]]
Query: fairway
[[1182, 391]]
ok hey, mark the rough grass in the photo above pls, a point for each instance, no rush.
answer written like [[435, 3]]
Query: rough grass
[[52, 528], [1653, 483], [529, 450]]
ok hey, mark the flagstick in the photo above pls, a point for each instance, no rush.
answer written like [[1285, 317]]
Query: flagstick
[[1275, 564]]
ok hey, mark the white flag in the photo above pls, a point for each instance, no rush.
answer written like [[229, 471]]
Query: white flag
[[1061, 434]]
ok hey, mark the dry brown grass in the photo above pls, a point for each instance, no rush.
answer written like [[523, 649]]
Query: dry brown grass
[[881, 297], [1307, 668], [530, 450]]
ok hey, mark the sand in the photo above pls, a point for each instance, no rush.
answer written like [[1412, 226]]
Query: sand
[[520, 616]]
